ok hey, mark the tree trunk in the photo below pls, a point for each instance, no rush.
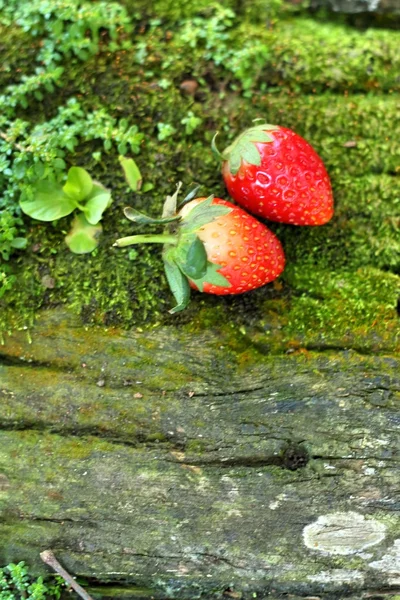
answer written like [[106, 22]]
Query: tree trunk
[[173, 463]]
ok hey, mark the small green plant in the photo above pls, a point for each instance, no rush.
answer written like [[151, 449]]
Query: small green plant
[[9, 240], [165, 130], [49, 201], [16, 583], [191, 122]]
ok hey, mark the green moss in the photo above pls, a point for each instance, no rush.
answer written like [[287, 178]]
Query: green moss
[[312, 56], [340, 278], [15, 64]]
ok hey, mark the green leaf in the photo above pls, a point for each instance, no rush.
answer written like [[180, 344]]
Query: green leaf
[[250, 154], [147, 187], [19, 243], [137, 217], [243, 147], [261, 136], [59, 163], [83, 237], [131, 172], [190, 195], [214, 147], [235, 161], [122, 148], [19, 170], [178, 284], [98, 202], [79, 184], [191, 257], [211, 276], [49, 203], [39, 169], [170, 204], [202, 214]]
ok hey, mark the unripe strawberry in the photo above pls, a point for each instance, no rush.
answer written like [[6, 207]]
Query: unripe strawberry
[[211, 245], [248, 253]]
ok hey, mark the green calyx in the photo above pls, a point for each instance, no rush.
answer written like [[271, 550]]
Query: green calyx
[[184, 254], [244, 148]]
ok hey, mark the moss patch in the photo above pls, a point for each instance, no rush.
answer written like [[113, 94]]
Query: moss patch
[[341, 279]]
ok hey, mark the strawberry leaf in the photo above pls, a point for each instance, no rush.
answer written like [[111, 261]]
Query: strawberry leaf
[[261, 136], [205, 212], [178, 284], [137, 217], [250, 154], [244, 148], [191, 257], [211, 276], [170, 204], [190, 195]]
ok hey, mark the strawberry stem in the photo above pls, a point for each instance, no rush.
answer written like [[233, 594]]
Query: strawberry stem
[[214, 147], [162, 238]]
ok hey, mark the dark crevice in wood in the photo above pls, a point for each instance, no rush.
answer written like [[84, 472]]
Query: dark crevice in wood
[[83, 432], [11, 361]]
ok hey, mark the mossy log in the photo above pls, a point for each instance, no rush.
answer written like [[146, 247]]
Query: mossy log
[[171, 463], [359, 6], [249, 447]]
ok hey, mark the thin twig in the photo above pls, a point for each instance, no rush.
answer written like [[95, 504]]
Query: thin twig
[[48, 557]]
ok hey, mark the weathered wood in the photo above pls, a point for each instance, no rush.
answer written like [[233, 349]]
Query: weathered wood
[[359, 6], [170, 466]]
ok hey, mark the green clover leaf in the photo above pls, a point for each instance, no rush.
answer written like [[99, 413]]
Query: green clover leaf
[[49, 202], [79, 184], [98, 201], [83, 237]]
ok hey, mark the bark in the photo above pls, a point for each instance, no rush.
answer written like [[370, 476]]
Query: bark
[[168, 464]]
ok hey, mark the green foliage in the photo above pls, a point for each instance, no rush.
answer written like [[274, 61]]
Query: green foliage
[[16, 583], [9, 240], [165, 130], [191, 122], [132, 173], [70, 27], [247, 59], [48, 201], [32, 157], [83, 237]]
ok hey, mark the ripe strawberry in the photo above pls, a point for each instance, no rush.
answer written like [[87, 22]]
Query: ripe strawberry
[[273, 172], [248, 253], [211, 245]]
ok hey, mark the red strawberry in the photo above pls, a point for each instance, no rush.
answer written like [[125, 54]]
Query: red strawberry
[[273, 172], [213, 246], [248, 253]]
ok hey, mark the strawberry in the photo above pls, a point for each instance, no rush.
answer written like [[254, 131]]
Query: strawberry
[[211, 245], [248, 253], [274, 173]]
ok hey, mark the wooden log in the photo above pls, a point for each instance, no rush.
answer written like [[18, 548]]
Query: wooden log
[[358, 6], [166, 464]]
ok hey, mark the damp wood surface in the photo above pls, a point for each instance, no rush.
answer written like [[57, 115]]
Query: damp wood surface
[[161, 463], [249, 447]]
